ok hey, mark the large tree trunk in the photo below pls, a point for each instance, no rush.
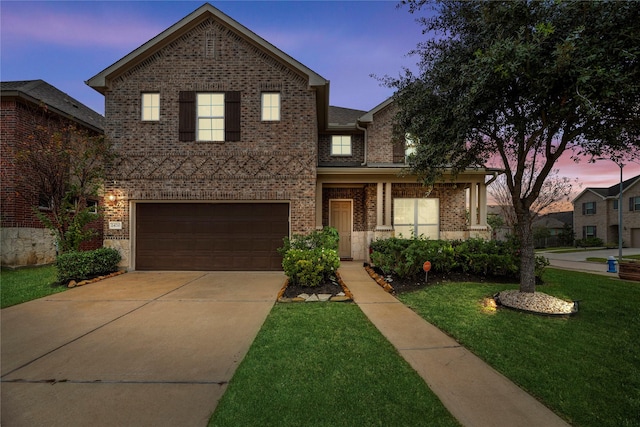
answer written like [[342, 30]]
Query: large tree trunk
[[524, 231]]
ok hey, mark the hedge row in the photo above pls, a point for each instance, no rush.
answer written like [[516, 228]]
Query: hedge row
[[88, 264], [405, 257]]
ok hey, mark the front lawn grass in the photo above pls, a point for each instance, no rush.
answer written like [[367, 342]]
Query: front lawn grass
[[586, 368], [26, 284], [325, 364]]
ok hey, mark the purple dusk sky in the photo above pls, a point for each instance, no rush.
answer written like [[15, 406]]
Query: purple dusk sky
[[66, 43]]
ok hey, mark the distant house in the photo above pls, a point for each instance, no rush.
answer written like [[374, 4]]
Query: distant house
[[595, 213], [555, 224], [226, 145], [24, 106]]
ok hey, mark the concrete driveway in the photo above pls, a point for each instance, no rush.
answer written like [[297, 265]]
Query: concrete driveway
[[143, 348]]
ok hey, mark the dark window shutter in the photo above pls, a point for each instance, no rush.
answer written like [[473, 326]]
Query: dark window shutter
[[594, 207], [631, 204], [584, 209], [187, 120], [232, 116], [398, 151]]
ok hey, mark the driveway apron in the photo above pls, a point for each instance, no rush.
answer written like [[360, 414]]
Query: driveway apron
[[143, 348]]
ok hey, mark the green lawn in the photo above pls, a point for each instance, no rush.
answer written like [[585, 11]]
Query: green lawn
[[25, 284], [586, 368], [325, 364]]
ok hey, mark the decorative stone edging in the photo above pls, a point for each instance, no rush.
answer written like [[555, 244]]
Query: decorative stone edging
[[348, 296], [379, 280], [73, 283]]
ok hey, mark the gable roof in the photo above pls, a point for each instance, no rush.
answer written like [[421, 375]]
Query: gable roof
[[100, 81], [611, 192], [40, 92], [368, 116]]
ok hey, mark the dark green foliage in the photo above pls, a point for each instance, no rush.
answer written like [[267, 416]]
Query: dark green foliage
[[326, 238], [405, 257], [310, 259], [590, 242], [517, 85], [88, 264]]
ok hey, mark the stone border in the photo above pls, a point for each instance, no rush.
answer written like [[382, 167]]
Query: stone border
[[73, 283], [347, 297], [379, 280]]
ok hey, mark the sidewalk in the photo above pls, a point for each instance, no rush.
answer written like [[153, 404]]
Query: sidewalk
[[471, 390]]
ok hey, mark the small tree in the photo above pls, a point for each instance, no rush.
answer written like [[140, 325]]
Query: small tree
[[62, 166]]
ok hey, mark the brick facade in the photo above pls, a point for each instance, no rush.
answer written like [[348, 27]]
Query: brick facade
[[273, 161], [24, 238]]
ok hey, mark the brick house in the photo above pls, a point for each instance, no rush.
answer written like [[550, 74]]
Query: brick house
[[595, 213], [26, 105], [228, 144]]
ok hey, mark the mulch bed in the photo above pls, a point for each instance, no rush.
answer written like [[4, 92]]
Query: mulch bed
[[401, 285], [290, 292]]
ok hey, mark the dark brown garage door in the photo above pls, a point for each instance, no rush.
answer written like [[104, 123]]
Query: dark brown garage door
[[210, 236]]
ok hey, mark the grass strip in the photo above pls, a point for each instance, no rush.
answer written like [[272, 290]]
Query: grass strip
[[26, 284], [325, 364], [586, 368]]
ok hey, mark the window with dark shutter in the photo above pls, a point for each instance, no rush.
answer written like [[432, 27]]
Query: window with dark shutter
[[232, 116], [187, 119], [398, 151]]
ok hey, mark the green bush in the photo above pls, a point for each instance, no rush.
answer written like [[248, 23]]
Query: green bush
[[308, 260], [590, 242], [327, 238], [88, 264], [309, 267], [405, 257]]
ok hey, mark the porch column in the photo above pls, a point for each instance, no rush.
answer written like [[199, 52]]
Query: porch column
[[387, 205], [482, 203], [473, 204], [318, 205], [379, 201]]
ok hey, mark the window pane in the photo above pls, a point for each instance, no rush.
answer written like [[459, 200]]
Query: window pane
[[150, 106], [210, 110], [417, 217], [341, 145], [271, 106]]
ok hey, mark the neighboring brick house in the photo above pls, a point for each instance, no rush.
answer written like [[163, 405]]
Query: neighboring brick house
[[595, 213], [26, 105], [227, 144]]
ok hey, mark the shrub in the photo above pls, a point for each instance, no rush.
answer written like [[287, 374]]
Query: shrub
[[327, 238], [88, 264], [405, 257], [589, 242], [308, 260]]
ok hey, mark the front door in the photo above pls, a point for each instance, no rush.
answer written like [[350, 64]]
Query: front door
[[340, 218]]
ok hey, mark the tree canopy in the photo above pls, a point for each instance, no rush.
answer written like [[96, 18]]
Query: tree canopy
[[517, 84]]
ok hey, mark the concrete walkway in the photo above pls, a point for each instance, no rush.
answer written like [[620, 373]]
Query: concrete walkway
[[140, 349], [471, 390]]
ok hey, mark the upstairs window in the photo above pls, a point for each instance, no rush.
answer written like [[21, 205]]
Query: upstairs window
[[341, 145], [210, 111], [150, 107], [209, 116], [634, 203], [270, 106], [615, 204], [589, 208]]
